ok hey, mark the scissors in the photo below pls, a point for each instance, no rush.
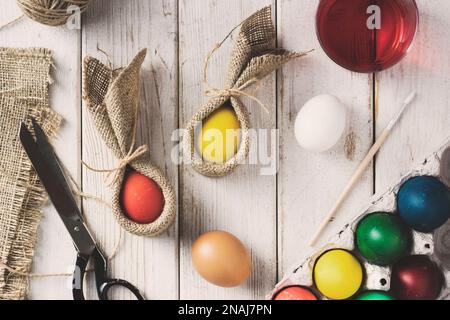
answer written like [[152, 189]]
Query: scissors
[[52, 176]]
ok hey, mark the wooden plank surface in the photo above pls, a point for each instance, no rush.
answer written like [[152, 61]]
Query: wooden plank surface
[[274, 216], [55, 252], [310, 183], [425, 70], [122, 28], [245, 202]]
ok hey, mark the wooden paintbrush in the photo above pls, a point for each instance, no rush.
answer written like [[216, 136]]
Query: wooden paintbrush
[[362, 167]]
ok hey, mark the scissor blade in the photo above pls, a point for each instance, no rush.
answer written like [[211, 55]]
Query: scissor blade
[[47, 152], [53, 181]]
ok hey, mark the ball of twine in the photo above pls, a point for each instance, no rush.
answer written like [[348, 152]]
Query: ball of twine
[[50, 12]]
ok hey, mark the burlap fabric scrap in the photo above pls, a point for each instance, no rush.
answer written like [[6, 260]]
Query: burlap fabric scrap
[[112, 98], [254, 57], [24, 80]]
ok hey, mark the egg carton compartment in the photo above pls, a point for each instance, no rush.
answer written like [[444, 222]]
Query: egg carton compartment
[[377, 277]]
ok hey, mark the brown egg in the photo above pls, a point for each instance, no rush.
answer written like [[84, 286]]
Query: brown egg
[[221, 258]]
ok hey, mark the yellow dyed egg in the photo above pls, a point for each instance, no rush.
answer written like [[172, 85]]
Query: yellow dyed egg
[[219, 138], [338, 274]]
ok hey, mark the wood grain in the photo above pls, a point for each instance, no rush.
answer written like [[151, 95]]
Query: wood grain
[[426, 70], [309, 183], [122, 28], [273, 215], [245, 202], [55, 252]]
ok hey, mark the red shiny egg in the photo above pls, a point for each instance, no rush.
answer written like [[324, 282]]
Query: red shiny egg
[[141, 198], [416, 278], [295, 293]]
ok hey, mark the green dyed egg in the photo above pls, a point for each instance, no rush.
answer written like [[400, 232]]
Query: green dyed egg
[[382, 238], [374, 295]]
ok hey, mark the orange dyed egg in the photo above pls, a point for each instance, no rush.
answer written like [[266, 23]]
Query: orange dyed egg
[[141, 198], [296, 293]]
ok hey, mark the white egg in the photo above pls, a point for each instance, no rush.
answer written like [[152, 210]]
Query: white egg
[[321, 123]]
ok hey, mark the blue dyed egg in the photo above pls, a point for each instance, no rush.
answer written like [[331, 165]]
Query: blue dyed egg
[[424, 203]]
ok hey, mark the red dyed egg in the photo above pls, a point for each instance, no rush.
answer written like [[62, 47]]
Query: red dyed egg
[[416, 278], [295, 293], [141, 198]]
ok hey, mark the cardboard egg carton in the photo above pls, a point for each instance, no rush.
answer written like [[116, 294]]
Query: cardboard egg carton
[[377, 278]]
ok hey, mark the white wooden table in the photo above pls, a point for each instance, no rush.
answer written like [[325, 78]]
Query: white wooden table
[[273, 215]]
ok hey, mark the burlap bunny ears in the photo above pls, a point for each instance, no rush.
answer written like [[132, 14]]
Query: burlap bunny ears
[[254, 57], [112, 99]]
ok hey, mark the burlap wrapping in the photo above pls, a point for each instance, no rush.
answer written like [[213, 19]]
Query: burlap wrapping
[[24, 80], [254, 57], [112, 98]]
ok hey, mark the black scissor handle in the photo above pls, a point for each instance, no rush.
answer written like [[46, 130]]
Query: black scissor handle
[[108, 285], [78, 277], [103, 284]]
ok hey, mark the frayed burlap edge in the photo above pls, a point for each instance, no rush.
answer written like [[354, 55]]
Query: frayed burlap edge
[[35, 196], [103, 88], [29, 195]]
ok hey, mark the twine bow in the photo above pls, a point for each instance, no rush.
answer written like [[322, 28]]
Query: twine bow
[[132, 154], [122, 164], [213, 92]]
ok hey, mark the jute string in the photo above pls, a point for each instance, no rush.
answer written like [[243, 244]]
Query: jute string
[[16, 93], [253, 58], [52, 12], [113, 101], [109, 60], [24, 84], [132, 154], [87, 196], [123, 163], [213, 92], [12, 22], [111, 257]]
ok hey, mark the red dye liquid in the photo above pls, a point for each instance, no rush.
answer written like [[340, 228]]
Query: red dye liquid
[[342, 27]]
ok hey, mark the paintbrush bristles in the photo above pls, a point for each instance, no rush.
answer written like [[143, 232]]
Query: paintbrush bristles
[[407, 102]]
